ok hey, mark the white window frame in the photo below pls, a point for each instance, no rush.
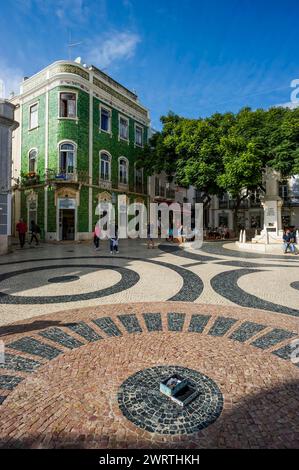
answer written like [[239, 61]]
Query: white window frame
[[135, 178], [31, 106], [62, 142], [28, 159], [109, 165], [110, 119], [142, 135], [68, 91], [121, 116], [121, 182]]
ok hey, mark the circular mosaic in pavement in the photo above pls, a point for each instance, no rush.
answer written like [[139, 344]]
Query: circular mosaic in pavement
[[141, 401], [295, 285], [128, 279], [64, 279]]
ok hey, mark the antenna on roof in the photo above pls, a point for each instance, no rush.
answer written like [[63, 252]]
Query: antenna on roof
[[70, 45]]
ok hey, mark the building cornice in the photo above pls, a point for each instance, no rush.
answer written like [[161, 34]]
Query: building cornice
[[90, 80], [68, 80]]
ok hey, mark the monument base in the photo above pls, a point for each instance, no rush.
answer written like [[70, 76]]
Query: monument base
[[268, 237], [270, 248]]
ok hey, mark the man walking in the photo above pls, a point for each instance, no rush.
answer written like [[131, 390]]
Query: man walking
[[34, 228], [22, 229]]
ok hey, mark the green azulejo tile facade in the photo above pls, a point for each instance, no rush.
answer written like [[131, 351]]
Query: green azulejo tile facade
[[81, 135]]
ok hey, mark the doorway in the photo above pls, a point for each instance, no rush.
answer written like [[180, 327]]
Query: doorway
[[67, 224]]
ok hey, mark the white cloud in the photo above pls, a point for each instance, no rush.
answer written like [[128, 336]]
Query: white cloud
[[289, 104], [10, 79], [118, 46]]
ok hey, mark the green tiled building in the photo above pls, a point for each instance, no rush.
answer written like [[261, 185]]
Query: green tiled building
[[80, 135]]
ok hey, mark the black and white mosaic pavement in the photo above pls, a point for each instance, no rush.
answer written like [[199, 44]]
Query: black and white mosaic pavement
[[85, 278], [128, 279], [62, 279], [141, 402], [226, 284]]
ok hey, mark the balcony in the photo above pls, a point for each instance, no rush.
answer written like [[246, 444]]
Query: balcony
[[63, 176], [170, 194], [290, 201], [30, 179], [223, 204], [105, 184], [139, 187], [160, 192]]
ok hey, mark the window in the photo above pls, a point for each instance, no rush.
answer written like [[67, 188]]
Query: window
[[32, 161], [33, 116], [105, 120], [67, 106], [139, 136], [123, 171], [139, 180], [66, 158], [105, 167], [124, 128], [157, 186], [283, 191]]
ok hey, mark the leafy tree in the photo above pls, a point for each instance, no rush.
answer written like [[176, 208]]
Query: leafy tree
[[226, 152]]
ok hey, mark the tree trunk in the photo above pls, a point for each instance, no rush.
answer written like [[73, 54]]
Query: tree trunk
[[235, 216]]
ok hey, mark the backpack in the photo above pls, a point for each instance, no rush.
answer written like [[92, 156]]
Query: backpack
[[37, 228]]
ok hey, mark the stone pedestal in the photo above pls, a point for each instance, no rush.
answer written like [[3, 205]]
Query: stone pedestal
[[272, 204]]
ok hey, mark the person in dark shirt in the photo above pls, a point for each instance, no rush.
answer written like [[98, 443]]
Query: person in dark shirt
[[289, 241], [34, 232]]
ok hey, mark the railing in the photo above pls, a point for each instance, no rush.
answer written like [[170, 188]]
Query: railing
[[290, 201], [139, 187], [223, 204], [170, 194], [160, 191], [50, 176]]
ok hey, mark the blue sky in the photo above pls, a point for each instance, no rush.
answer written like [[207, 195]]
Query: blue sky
[[194, 57]]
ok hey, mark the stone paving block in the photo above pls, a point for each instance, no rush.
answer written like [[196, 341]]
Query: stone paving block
[[2, 399], [59, 336], [285, 353], [273, 337], [198, 323], [221, 326], [131, 323], [84, 330], [246, 331], [153, 321], [176, 321], [35, 347], [9, 382], [108, 326], [19, 363]]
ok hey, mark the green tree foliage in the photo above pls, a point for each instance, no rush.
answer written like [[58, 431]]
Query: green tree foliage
[[226, 152]]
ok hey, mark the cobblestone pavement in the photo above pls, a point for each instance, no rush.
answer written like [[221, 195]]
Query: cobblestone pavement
[[84, 331]]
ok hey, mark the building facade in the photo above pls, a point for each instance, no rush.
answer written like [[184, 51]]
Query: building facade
[[7, 125], [81, 134], [251, 212]]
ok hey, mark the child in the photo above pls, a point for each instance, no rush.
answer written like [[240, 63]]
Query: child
[[114, 242]]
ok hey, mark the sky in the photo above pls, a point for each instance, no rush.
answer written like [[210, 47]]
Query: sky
[[192, 57]]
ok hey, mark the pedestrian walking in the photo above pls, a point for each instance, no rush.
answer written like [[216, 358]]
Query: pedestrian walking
[[114, 242], [150, 240], [96, 236], [21, 229], [35, 230]]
